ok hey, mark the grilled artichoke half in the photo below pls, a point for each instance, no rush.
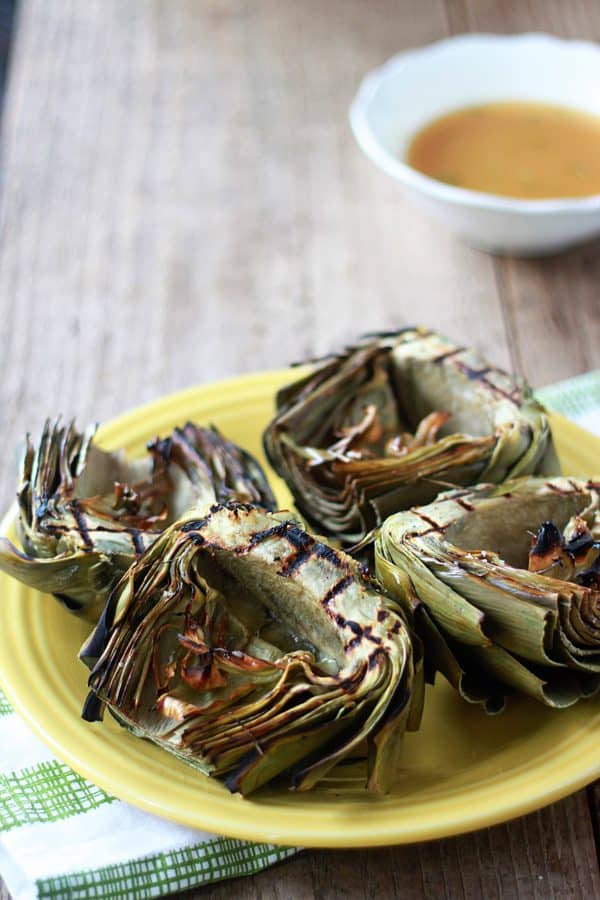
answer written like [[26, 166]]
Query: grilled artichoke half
[[496, 613], [85, 514], [379, 427], [249, 649]]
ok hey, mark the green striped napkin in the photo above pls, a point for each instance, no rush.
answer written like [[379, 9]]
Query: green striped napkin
[[63, 837]]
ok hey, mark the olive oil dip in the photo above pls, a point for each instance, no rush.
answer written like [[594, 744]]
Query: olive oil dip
[[516, 149]]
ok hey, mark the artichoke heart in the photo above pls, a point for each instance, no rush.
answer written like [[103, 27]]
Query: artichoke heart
[[502, 583], [247, 648], [387, 423], [85, 514]]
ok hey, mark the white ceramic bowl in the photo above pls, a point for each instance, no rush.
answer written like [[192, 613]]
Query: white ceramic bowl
[[413, 88]]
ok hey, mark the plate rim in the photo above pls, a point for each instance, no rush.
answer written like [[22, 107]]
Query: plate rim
[[245, 826]]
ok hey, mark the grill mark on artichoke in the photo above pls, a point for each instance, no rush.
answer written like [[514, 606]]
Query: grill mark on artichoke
[[480, 375], [428, 531], [137, 542], [275, 531], [194, 525], [337, 588], [297, 560], [557, 489], [297, 538], [436, 360], [475, 374], [435, 526], [373, 638], [373, 658], [324, 551], [82, 528], [359, 633]]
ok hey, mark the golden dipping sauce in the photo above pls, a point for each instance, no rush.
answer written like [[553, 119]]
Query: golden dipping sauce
[[527, 150]]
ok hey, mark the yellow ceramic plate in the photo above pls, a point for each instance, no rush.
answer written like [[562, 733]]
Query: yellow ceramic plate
[[462, 770]]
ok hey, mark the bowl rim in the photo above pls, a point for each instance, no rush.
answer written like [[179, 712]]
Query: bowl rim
[[403, 172]]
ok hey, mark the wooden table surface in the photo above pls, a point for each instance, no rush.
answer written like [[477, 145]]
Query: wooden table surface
[[182, 200]]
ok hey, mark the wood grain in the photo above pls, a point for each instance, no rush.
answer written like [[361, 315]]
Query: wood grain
[[532, 857], [183, 200]]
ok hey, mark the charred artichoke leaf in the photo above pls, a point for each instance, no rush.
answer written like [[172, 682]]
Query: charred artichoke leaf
[[249, 649], [461, 569], [573, 555], [84, 514], [387, 423]]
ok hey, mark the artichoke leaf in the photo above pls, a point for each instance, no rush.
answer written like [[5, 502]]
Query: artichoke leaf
[[440, 656]]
